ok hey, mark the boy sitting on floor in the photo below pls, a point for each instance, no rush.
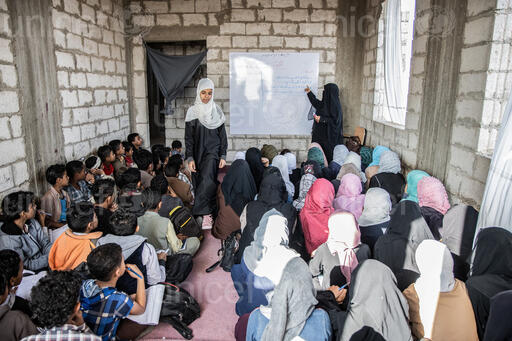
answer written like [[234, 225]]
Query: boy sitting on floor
[[78, 188], [130, 197], [128, 154], [169, 199], [103, 193], [106, 154], [119, 163], [56, 201], [181, 188], [144, 161]]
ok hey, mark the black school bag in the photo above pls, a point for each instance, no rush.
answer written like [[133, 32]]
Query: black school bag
[[184, 222], [227, 252], [178, 267], [179, 309]]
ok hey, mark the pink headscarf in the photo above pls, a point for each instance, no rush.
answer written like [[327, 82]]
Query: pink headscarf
[[349, 197], [431, 193], [344, 237]]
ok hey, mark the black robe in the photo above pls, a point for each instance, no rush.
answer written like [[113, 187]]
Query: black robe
[[253, 158], [206, 147], [434, 220], [394, 184], [329, 131]]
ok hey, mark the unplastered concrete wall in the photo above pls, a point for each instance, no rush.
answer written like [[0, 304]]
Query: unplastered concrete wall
[[234, 26]]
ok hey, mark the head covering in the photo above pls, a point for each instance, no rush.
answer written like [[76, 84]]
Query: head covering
[[344, 237], [253, 158], [349, 197], [238, 186], [459, 225], [272, 190], [355, 159], [316, 212], [311, 167], [431, 193], [498, 325], [315, 153], [435, 264], [292, 162], [210, 114], [239, 156], [330, 109], [371, 171], [377, 152], [389, 162], [339, 154], [377, 310], [349, 168], [306, 182], [366, 156], [412, 184], [282, 164], [377, 206], [268, 253], [268, 151]]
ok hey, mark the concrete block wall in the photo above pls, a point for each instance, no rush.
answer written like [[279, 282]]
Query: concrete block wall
[[92, 78], [242, 26], [13, 167]]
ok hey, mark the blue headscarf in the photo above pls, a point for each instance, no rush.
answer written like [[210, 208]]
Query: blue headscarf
[[376, 155]]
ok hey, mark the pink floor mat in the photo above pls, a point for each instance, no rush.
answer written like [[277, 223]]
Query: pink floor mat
[[215, 294]]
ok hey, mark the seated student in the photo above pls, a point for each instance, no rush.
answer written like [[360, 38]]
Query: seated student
[[103, 193], [343, 250], [253, 158], [56, 309], [163, 158], [439, 306], [374, 221], [107, 157], [459, 225], [181, 188], [339, 154], [352, 164], [291, 313], [169, 198], [73, 246], [315, 214], [176, 148], [56, 201], [119, 163], [396, 248], [293, 171], [434, 203], [491, 272], [377, 310], [272, 195], [130, 197], [14, 322], [78, 188], [144, 161], [135, 251], [376, 154], [235, 191], [93, 166], [411, 188], [136, 141], [22, 233], [349, 197], [184, 173], [389, 177], [307, 180], [159, 231], [156, 149], [316, 153], [128, 154], [268, 152], [498, 325], [102, 305], [281, 163]]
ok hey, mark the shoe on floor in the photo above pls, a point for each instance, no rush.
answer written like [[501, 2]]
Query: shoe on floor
[[207, 222]]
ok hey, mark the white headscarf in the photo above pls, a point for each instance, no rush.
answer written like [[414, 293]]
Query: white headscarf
[[239, 156], [292, 162], [210, 114], [281, 163], [355, 159], [377, 206], [339, 154], [435, 264]]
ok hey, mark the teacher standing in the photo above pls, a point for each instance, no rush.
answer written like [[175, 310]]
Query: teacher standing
[[328, 125]]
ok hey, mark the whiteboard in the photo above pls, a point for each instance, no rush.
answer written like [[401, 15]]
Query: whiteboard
[[266, 92]]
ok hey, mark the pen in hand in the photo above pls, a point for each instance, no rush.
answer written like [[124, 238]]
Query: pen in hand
[[136, 274]]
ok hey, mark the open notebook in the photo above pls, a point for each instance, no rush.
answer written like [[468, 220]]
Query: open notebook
[[154, 298]]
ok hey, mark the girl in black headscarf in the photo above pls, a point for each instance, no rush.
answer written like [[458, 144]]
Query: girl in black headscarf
[[253, 158], [491, 272], [328, 124]]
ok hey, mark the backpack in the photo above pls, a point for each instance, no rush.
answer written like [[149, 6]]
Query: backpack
[[184, 222], [179, 309], [178, 267], [227, 252]]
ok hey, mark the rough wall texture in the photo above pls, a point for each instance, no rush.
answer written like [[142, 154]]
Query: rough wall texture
[[90, 51], [246, 26]]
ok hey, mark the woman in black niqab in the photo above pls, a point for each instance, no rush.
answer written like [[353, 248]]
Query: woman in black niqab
[[253, 158]]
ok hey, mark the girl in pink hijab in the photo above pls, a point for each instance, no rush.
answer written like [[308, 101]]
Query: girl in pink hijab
[[349, 197], [434, 204], [316, 212]]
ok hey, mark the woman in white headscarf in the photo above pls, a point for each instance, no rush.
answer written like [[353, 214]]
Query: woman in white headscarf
[[375, 218], [206, 145], [281, 163], [439, 305]]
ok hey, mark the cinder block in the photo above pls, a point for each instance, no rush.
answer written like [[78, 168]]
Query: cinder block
[[143, 20], [6, 178], [78, 80], [60, 38], [270, 41], [297, 42], [319, 15], [194, 20], [270, 15], [207, 6], [83, 62], [243, 15], [168, 19], [259, 3], [80, 115], [72, 6], [283, 3], [74, 42], [300, 15], [311, 3], [88, 131], [258, 29], [84, 97], [218, 41], [8, 75], [284, 29], [479, 30], [311, 29], [245, 41], [64, 60], [71, 135], [182, 6], [61, 20], [156, 6], [232, 28], [324, 42], [88, 13], [20, 171], [69, 98]]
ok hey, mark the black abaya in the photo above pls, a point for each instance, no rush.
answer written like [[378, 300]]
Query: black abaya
[[206, 147]]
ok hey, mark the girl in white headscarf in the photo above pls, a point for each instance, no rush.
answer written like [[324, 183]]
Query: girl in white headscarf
[[281, 163], [206, 145]]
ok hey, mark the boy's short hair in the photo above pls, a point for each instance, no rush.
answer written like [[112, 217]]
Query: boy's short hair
[[74, 167], [131, 137], [127, 146], [15, 203], [176, 144], [151, 198], [143, 159], [172, 169], [80, 214], [54, 298], [104, 260], [156, 148], [9, 264], [160, 184], [115, 145], [123, 223], [163, 156], [55, 172], [102, 189], [104, 152], [129, 179], [91, 161], [177, 159], [4, 283], [285, 151]]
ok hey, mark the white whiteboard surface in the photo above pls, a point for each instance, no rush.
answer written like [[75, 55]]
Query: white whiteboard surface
[[266, 92]]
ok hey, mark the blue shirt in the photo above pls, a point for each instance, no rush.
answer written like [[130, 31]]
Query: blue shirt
[[63, 208]]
